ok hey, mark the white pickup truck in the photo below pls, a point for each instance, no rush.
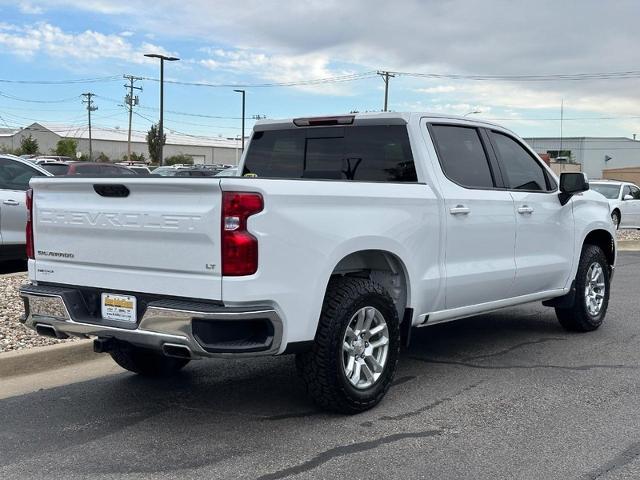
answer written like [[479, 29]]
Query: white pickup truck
[[343, 234]]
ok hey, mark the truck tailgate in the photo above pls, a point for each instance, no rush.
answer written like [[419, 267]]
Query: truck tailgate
[[162, 237]]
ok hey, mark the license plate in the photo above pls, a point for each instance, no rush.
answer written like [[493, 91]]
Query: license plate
[[119, 307]]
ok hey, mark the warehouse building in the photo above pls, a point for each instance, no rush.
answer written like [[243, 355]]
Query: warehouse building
[[595, 155], [112, 142]]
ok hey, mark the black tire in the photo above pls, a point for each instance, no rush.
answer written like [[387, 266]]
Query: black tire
[[577, 318], [148, 363], [322, 369], [615, 218]]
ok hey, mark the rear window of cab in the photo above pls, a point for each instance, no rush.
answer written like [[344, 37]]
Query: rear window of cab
[[376, 153]]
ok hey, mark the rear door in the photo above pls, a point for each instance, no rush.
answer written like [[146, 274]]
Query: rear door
[[545, 228], [136, 234], [14, 181], [480, 219]]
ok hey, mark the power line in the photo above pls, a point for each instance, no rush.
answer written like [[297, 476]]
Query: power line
[[29, 100], [110, 78], [298, 83], [631, 74]]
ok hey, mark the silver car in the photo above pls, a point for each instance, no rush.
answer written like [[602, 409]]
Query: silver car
[[15, 174]]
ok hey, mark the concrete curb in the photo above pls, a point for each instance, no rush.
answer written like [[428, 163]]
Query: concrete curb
[[628, 245], [50, 357]]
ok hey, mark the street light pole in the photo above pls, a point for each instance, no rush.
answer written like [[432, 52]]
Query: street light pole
[[243, 94], [161, 123]]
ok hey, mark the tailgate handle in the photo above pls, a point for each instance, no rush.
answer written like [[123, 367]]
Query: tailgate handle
[[107, 190]]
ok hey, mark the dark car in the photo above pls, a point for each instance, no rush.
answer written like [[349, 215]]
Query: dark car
[[86, 169]]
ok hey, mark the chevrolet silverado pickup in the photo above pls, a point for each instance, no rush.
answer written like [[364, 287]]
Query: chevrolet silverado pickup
[[341, 235]]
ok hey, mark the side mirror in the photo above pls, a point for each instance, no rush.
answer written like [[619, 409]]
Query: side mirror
[[572, 183], [627, 197]]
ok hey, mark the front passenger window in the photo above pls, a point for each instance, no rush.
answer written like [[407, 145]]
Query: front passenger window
[[523, 172]]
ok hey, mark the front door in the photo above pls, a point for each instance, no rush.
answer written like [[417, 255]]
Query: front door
[[630, 209], [480, 219]]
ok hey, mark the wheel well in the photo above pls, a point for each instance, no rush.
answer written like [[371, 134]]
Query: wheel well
[[382, 267], [604, 240]]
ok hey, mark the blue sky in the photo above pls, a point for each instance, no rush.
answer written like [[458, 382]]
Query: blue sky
[[251, 42]]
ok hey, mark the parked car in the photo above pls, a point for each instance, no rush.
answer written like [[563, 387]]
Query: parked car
[[228, 172], [184, 171], [624, 201], [51, 158], [86, 168], [15, 174], [140, 170], [351, 231]]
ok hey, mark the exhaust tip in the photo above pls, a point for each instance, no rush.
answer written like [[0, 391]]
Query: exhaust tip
[[49, 331], [175, 350]]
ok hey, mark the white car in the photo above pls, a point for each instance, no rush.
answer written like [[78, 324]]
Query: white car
[[348, 232], [624, 201], [15, 174]]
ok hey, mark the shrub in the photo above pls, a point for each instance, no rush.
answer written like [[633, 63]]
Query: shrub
[[181, 158]]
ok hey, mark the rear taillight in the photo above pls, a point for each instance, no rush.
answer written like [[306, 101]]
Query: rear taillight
[[239, 247], [29, 230]]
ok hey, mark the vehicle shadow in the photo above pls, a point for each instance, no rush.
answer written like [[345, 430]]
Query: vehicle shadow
[[226, 407], [13, 266]]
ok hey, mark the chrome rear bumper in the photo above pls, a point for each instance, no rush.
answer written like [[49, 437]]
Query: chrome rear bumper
[[165, 323]]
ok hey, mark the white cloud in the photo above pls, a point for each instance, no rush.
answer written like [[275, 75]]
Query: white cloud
[[89, 45], [30, 9], [276, 67]]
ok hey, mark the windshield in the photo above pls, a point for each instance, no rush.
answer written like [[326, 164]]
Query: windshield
[[228, 172], [609, 191], [165, 171]]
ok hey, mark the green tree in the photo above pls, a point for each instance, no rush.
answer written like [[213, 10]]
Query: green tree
[[102, 158], [67, 147], [153, 142], [29, 145], [135, 157], [179, 159]]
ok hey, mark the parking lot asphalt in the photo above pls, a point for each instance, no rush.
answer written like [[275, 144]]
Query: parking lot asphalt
[[502, 395]]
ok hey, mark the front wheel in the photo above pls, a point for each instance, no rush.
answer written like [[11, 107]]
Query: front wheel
[[353, 360], [592, 293]]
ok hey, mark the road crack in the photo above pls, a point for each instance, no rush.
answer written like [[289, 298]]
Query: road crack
[[345, 450], [524, 367], [515, 347], [623, 458]]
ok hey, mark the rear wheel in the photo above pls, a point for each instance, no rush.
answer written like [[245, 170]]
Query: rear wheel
[[592, 293], [353, 360], [143, 361]]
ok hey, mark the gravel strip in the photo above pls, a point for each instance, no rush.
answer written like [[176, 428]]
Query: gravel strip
[[628, 234], [14, 335]]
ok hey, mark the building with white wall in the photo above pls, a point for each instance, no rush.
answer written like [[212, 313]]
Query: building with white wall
[[113, 143], [594, 154]]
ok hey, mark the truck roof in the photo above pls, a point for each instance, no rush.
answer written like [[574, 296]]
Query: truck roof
[[370, 118]]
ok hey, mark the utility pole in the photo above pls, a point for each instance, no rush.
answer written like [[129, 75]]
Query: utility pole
[[385, 77], [243, 95], [90, 108], [130, 100]]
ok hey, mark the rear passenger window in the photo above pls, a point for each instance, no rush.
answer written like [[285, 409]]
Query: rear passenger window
[[462, 156], [376, 153], [522, 170]]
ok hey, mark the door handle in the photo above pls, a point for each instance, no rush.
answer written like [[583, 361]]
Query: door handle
[[524, 209], [11, 202], [459, 210]]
